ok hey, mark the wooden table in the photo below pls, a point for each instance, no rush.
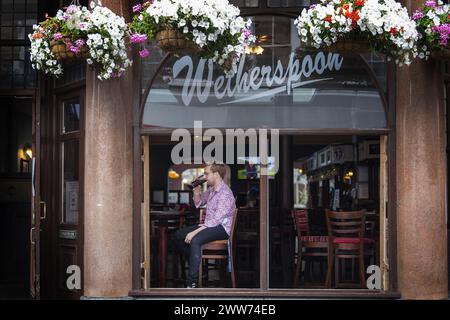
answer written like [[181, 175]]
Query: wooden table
[[164, 219]]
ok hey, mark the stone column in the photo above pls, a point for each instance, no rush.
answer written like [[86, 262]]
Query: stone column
[[421, 180], [108, 181]]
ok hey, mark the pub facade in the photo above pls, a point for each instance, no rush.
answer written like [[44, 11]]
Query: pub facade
[[100, 190]]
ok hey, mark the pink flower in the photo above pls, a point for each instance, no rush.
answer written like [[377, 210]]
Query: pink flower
[[247, 33], [82, 26], [417, 15], [430, 3], [138, 38], [74, 49], [57, 36], [444, 33], [71, 9], [79, 43], [144, 53], [137, 8], [117, 74]]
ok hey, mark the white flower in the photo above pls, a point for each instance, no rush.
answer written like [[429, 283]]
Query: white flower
[[211, 23], [324, 23], [105, 41]]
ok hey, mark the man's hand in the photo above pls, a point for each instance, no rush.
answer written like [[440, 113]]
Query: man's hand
[[192, 234], [197, 190], [197, 195], [189, 237]]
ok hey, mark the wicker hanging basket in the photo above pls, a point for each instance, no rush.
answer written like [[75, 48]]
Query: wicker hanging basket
[[62, 52], [347, 46], [171, 40], [441, 55]]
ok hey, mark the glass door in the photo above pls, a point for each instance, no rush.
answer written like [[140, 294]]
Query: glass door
[[69, 262]]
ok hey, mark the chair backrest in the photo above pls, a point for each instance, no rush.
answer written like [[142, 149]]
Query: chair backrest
[[301, 222], [231, 253], [182, 221], [233, 225], [202, 213], [346, 224]]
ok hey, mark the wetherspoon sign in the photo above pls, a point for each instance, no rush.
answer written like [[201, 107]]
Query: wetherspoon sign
[[258, 82]]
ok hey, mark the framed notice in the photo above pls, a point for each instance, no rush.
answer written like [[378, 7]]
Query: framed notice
[[363, 190], [72, 191], [172, 197], [184, 197]]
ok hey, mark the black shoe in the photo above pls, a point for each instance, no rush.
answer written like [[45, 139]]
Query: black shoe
[[193, 285]]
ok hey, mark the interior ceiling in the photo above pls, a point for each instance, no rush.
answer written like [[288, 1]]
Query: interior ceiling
[[298, 139]]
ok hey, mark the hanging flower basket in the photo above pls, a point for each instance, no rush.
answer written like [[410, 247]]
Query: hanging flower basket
[[212, 29], [341, 46], [97, 36], [62, 52], [348, 46], [173, 41], [359, 26], [433, 24]]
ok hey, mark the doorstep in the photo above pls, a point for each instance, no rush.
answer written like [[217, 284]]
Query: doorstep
[[220, 293]]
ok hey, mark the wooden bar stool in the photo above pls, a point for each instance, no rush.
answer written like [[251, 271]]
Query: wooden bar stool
[[346, 241], [218, 250], [314, 246]]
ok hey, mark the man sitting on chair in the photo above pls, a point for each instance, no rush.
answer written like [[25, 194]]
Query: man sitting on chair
[[220, 208]]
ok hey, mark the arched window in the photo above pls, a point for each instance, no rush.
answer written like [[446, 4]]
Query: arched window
[[284, 87]]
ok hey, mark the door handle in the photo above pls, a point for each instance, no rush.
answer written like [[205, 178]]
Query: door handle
[[31, 236], [45, 210]]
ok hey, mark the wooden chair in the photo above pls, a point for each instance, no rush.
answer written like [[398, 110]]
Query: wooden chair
[[346, 241], [315, 246], [218, 250]]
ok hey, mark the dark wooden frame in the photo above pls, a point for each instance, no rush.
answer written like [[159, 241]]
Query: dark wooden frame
[[388, 99], [51, 95], [35, 252], [74, 91]]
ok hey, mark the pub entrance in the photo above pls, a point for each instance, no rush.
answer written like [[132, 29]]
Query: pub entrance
[[59, 192]]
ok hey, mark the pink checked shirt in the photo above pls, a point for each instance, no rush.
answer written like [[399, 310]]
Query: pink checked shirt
[[220, 206]]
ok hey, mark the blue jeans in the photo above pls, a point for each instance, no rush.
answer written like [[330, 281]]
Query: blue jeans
[[192, 252]]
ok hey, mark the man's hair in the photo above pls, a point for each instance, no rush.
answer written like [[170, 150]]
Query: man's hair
[[218, 167]]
